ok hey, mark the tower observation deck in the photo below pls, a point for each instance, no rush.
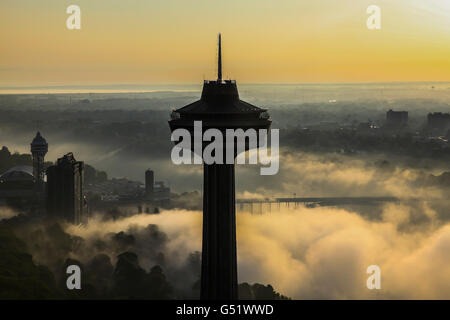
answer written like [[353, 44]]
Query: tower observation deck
[[220, 108], [39, 148]]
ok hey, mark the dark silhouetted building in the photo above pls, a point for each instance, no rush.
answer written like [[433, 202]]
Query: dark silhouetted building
[[65, 198], [149, 184], [22, 183], [395, 119], [438, 122], [17, 184], [220, 108], [39, 149], [155, 191]]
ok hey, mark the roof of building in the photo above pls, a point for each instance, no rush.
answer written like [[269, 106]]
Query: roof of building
[[220, 108], [38, 140], [19, 173], [220, 97]]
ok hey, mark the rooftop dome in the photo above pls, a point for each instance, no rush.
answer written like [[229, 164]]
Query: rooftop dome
[[39, 140], [39, 144], [19, 173]]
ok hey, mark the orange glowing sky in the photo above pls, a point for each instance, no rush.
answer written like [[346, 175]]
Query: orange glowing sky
[[264, 41]]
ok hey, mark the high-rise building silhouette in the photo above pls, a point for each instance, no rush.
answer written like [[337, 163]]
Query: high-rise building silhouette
[[149, 184], [65, 197], [396, 118], [39, 148], [438, 122], [219, 108]]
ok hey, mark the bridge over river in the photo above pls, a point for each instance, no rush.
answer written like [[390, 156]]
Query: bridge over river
[[258, 204]]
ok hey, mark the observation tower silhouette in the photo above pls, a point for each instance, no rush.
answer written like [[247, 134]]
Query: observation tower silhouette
[[220, 108]]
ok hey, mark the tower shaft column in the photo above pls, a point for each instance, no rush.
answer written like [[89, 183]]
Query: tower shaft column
[[219, 265]]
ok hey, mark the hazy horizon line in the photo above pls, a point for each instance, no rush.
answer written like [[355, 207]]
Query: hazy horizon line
[[161, 87]]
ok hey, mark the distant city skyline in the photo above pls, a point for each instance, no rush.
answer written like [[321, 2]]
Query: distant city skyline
[[266, 41]]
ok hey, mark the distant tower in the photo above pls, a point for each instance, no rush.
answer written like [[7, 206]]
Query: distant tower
[[219, 107], [149, 183], [65, 194], [39, 149]]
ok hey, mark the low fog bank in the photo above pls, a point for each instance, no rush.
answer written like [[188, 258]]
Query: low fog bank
[[336, 175], [304, 253], [7, 213], [309, 253], [141, 256], [323, 253], [140, 242]]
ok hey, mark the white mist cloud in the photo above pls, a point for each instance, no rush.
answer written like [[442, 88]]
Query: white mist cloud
[[323, 253], [183, 230], [317, 253], [328, 175], [6, 213]]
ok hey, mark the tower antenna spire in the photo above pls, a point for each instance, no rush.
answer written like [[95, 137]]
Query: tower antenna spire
[[219, 67]]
